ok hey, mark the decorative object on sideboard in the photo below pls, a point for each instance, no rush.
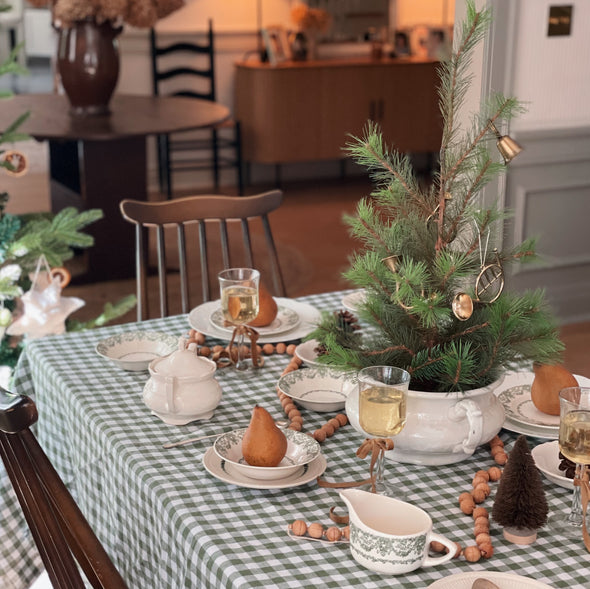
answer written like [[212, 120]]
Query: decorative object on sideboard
[[87, 52]]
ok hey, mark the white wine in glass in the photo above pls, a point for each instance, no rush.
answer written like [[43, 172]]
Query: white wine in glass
[[238, 289], [574, 444], [382, 410]]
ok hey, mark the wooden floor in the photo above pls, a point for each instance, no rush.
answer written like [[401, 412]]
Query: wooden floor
[[314, 247]]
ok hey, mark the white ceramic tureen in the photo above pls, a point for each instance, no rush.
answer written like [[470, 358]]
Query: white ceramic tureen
[[182, 386]]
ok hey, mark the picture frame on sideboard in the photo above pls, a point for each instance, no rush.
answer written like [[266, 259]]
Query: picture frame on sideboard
[[277, 46]]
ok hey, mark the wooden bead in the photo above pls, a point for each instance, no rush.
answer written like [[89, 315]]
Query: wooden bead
[[479, 495], [315, 530], [329, 429], [343, 419], [483, 487], [319, 435], [495, 473], [291, 349], [501, 458], [483, 538], [346, 532], [477, 480], [481, 528], [464, 496], [472, 553], [333, 534], [483, 473], [334, 423], [497, 450], [293, 413], [480, 512], [298, 527], [496, 441], [281, 348], [268, 349], [482, 520], [437, 546], [286, 400], [295, 426], [486, 550], [289, 407], [296, 419], [205, 351], [217, 349], [467, 506], [199, 338]]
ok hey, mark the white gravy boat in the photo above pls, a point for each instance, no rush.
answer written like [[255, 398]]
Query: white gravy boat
[[390, 536]]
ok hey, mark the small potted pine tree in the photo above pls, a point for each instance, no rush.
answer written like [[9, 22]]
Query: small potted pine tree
[[432, 270]]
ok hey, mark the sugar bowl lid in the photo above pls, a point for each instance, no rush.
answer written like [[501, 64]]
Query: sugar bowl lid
[[184, 362]]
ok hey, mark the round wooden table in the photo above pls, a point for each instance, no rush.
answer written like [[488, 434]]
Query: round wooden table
[[95, 162]]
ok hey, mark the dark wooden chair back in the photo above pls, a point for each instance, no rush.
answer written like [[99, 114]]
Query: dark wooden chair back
[[187, 68], [216, 218], [60, 530]]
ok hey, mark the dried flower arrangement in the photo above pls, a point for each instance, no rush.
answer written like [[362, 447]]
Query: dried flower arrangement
[[310, 19], [136, 13]]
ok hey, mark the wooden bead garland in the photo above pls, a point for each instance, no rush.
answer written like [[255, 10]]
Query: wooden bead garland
[[316, 531], [290, 409], [481, 491]]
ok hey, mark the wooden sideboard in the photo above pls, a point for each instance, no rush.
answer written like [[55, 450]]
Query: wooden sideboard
[[302, 111]]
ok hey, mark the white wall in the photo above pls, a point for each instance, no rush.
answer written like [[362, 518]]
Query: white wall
[[549, 72]]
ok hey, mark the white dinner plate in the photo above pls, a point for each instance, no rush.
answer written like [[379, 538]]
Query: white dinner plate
[[503, 580], [352, 300], [285, 320], [221, 470], [309, 317], [522, 416], [546, 457]]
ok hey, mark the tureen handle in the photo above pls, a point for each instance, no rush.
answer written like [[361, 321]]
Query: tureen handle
[[470, 409]]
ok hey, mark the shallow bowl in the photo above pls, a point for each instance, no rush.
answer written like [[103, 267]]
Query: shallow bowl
[[319, 388], [301, 450], [135, 350], [546, 457]]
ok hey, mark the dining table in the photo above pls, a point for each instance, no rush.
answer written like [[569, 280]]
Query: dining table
[[167, 522], [98, 160]]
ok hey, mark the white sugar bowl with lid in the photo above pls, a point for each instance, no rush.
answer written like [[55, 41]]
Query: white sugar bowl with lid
[[182, 387]]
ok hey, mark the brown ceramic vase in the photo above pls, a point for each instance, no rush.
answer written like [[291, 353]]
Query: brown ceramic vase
[[88, 64]]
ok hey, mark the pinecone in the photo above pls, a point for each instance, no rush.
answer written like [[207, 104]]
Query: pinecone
[[348, 322], [320, 350], [567, 466]]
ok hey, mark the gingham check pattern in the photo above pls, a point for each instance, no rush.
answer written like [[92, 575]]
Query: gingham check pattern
[[169, 524]]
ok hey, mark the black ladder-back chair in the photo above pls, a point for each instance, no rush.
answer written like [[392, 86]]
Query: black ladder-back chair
[[228, 214], [60, 530], [196, 82]]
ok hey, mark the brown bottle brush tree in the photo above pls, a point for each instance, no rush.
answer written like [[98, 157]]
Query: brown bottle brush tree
[[520, 500]]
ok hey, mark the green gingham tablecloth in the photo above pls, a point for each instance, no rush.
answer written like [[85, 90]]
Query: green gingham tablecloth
[[168, 523]]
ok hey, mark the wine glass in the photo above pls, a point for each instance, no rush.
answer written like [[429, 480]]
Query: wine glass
[[382, 410], [574, 444], [238, 288]]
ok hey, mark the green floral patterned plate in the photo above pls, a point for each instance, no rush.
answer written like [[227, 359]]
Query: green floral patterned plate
[[301, 450]]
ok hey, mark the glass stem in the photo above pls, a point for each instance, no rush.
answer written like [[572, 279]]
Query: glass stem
[[379, 479], [575, 516], [241, 363]]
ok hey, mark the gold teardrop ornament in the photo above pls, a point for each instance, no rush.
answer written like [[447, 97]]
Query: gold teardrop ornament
[[462, 306]]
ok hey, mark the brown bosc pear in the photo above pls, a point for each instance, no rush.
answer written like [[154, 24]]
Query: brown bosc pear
[[263, 444], [548, 381], [267, 308]]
